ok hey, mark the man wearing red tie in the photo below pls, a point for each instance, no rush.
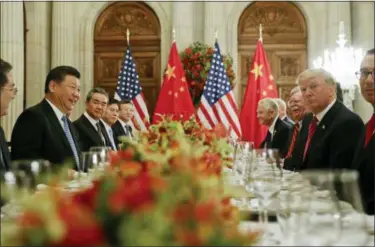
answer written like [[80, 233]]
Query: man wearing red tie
[[364, 161], [334, 130]]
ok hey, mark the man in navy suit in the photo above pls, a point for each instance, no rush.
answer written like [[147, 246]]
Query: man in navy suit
[[334, 130], [278, 131], [8, 92], [365, 158], [44, 131]]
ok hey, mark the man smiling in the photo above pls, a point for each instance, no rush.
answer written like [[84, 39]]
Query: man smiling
[[44, 131]]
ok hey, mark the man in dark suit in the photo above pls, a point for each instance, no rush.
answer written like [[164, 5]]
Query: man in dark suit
[[44, 131], [89, 127], [282, 112], [278, 130], [298, 137], [334, 130], [110, 117], [124, 125], [8, 92], [365, 156]]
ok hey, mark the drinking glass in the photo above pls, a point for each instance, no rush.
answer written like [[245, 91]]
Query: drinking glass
[[103, 155], [264, 179]]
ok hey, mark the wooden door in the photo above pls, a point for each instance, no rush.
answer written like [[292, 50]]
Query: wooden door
[[110, 45], [284, 40]]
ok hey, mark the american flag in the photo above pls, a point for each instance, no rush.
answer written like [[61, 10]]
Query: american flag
[[128, 88], [217, 102]]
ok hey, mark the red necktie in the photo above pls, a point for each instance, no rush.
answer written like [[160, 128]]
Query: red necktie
[[370, 129], [312, 129], [293, 142]]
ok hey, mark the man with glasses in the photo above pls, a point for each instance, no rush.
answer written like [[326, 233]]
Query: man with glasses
[[88, 125], [334, 130], [44, 131], [8, 92], [365, 160], [124, 125]]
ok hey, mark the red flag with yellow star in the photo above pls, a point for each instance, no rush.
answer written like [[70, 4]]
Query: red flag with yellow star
[[174, 98], [260, 84]]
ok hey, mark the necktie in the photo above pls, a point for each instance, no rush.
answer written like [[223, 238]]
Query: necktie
[[128, 130], [110, 133], [2, 161], [293, 142], [312, 129], [70, 139], [370, 129], [101, 133]]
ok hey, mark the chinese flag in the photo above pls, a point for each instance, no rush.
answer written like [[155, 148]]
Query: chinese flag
[[174, 98], [260, 84]]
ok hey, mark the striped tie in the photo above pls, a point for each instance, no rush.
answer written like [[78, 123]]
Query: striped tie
[[293, 142], [70, 139], [312, 129]]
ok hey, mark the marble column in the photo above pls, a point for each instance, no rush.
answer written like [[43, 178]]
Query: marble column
[[38, 49], [337, 11], [62, 46], [214, 21], [12, 50], [363, 37], [183, 23]]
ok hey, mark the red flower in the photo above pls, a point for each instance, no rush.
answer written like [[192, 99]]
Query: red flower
[[89, 196], [81, 227], [204, 212]]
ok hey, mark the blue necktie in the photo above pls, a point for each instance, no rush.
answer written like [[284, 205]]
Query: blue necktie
[[112, 140], [70, 139]]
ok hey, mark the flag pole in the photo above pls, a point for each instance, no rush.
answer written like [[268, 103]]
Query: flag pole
[[216, 35], [260, 32], [174, 35], [127, 36]]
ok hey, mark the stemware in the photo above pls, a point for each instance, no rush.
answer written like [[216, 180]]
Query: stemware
[[335, 209], [103, 155]]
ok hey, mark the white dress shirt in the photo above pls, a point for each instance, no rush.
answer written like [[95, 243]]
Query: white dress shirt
[[57, 112]]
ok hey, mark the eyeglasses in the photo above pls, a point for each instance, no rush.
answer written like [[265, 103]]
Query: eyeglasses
[[12, 89], [361, 75]]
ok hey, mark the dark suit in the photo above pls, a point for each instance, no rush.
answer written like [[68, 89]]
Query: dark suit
[[118, 131], [365, 163], [5, 162], [38, 134], [280, 137], [335, 140], [294, 162], [88, 134]]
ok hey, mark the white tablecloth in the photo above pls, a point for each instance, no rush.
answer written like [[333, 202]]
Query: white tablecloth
[[349, 237]]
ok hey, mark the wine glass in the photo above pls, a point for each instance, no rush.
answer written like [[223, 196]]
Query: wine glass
[[264, 180], [103, 155], [242, 154], [335, 212], [38, 171]]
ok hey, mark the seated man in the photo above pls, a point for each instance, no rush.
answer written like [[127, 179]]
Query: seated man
[[365, 160], [278, 130], [124, 126], [300, 130], [110, 117], [88, 125], [282, 111], [334, 130], [44, 131], [8, 92]]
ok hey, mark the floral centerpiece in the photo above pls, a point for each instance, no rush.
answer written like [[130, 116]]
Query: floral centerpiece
[[164, 190], [196, 61]]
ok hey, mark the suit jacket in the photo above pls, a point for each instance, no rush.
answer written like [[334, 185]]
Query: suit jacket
[[364, 163], [89, 136], [280, 135], [294, 162], [5, 163], [118, 131], [38, 134], [335, 140]]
